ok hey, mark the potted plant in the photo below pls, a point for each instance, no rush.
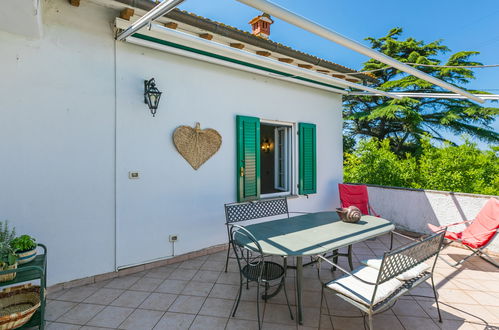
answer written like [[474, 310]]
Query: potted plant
[[8, 257], [25, 248]]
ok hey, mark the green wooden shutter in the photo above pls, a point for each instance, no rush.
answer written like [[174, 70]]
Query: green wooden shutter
[[307, 159], [248, 158]]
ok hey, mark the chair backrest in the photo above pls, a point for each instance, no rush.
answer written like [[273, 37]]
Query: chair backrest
[[355, 195], [406, 257], [246, 248], [263, 208], [484, 227]]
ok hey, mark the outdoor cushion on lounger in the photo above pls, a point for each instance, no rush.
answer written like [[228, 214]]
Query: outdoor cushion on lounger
[[405, 276], [449, 234], [362, 292], [481, 230], [477, 235]]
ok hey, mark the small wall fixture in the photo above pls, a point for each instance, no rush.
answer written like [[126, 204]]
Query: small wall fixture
[[151, 95]]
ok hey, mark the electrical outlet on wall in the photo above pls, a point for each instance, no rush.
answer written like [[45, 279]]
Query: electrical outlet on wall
[[173, 238], [133, 175]]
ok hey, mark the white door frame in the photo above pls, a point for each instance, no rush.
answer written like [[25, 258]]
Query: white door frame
[[292, 158]]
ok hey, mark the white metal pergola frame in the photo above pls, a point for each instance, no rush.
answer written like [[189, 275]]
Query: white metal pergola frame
[[299, 21], [161, 9], [430, 95]]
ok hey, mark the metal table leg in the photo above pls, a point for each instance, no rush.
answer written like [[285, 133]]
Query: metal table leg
[[299, 277]]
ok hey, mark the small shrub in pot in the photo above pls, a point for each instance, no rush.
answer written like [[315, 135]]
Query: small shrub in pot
[[23, 243], [8, 256], [25, 247]]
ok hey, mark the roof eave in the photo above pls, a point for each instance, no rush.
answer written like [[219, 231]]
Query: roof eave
[[246, 37]]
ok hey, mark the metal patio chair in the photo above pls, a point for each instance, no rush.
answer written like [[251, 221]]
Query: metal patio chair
[[356, 195], [254, 268], [353, 195], [259, 209], [477, 236], [376, 290]]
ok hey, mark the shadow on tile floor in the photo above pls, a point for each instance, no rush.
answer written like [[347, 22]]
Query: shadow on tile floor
[[198, 294]]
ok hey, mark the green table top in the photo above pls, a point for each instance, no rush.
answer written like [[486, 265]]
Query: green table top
[[314, 233]]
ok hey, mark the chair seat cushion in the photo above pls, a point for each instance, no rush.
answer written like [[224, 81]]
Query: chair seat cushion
[[271, 271], [484, 226], [479, 232], [362, 292], [405, 276], [448, 234]]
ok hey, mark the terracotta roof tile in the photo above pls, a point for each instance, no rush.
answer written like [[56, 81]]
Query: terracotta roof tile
[[246, 37]]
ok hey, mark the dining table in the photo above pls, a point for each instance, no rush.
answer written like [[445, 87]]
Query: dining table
[[312, 234]]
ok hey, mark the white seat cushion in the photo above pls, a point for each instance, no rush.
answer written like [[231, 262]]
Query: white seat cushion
[[363, 292], [407, 275]]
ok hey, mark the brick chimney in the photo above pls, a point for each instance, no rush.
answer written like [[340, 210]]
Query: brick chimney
[[260, 25]]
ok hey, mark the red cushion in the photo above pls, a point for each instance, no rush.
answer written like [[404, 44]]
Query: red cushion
[[354, 195], [448, 234], [484, 227]]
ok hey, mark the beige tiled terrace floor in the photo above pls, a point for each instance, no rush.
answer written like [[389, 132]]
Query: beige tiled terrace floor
[[197, 294]]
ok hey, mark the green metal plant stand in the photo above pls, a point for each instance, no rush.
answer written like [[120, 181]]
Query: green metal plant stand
[[31, 271]]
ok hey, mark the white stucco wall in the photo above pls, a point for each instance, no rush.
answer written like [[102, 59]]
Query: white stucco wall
[[22, 17], [57, 138], [73, 124], [414, 209], [172, 198]]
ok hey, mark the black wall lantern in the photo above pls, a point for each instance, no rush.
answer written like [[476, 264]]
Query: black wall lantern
[[151, 95]]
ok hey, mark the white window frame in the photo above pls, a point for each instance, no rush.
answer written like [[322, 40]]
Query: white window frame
[[286, 155], [292, 162]]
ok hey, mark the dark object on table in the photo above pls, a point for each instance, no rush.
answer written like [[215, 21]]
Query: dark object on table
[[350, 214]]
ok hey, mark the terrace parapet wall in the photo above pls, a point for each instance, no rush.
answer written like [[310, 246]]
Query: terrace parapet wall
[[413, 209]]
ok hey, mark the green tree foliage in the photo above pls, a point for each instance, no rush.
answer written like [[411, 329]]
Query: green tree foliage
[[404, 122], [463, 168]]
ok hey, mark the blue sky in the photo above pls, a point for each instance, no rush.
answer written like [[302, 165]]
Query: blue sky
[[464, 25]]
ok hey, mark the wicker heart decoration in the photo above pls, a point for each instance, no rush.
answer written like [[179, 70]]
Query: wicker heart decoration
[[196, 145]]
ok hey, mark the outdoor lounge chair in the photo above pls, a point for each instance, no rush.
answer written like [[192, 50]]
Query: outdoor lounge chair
[[376, 286], [478, 234], [253, 267]]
